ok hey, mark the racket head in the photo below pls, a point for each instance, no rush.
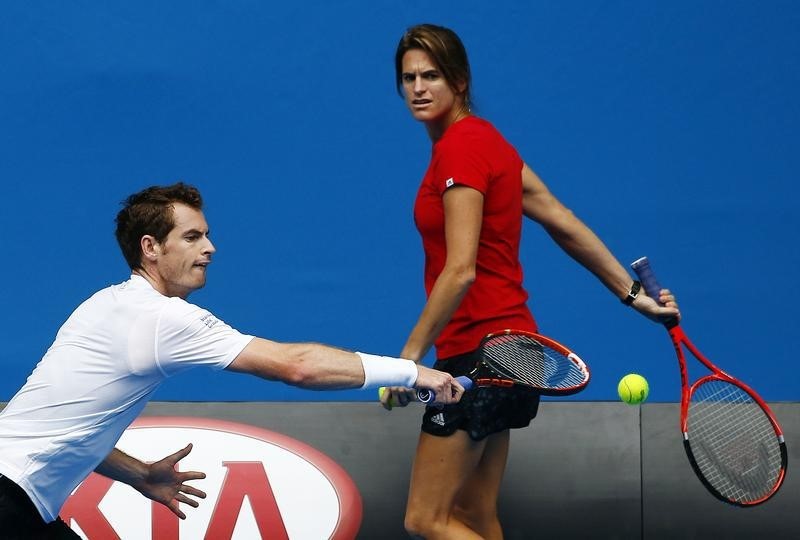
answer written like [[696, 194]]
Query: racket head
[[733, 442], [535, 361]]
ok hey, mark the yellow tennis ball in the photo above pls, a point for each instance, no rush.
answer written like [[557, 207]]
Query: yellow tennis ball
[[633, 389], [381, 390]]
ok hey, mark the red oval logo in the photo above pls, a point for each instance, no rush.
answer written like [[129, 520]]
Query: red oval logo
[[259, 484]]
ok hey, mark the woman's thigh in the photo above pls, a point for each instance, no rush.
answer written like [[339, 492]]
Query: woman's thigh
[[442, 466]]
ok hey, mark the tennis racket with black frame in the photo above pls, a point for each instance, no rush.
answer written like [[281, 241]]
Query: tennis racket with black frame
[[734, 444], [519, 358]]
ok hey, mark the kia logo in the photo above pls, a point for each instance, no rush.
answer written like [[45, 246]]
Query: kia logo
[[260, 484]]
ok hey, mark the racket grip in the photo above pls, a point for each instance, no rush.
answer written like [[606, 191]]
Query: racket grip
[[426, 396], [647, 277]]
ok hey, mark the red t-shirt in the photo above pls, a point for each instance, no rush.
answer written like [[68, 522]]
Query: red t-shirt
[[473, 153]]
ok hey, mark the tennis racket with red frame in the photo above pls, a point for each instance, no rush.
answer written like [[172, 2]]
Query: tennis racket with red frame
[[731, 437], [519, 358]]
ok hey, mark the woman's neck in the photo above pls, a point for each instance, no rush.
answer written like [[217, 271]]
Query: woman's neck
[[436, 128]]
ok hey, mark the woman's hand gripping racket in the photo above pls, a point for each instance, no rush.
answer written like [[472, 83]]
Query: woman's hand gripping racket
[[733, 441], [518, 358]]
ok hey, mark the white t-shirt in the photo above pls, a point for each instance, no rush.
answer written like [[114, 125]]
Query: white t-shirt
[[107, 360]]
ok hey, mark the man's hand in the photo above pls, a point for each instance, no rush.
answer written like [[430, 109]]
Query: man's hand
[[164, 484], [446, 387]]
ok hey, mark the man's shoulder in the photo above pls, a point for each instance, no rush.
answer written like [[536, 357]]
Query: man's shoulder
[[137, 298], [127, 298], [176, 312]]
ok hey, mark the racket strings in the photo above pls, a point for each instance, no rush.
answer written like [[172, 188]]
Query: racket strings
[[733, 441], [525, 359]]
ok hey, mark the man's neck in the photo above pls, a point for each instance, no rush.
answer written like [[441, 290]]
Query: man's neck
[[158, 284]]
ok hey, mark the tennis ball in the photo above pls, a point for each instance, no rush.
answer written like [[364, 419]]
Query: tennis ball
[[633, 389], [381, 390]]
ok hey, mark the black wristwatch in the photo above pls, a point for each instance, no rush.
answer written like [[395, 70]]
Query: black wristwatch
[[633, 293]]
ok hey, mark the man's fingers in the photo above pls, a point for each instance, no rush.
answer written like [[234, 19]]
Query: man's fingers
[[180, 454], [180, 497], [191, 475], [173, 506], [444, 390], [193, 491]]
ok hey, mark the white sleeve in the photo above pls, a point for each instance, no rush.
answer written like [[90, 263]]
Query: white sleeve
[[189, 336]]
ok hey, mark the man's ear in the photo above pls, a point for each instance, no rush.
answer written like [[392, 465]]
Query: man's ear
[[150, 248]]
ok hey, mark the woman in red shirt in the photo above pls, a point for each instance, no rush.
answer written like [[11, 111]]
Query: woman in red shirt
[[469, 212]]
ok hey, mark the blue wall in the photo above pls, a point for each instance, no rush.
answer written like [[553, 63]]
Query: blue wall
[[670, 128]]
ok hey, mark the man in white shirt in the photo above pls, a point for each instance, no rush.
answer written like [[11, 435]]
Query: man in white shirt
[[117, 348]]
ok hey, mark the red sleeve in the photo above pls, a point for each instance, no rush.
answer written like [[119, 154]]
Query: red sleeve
[[460, 160]]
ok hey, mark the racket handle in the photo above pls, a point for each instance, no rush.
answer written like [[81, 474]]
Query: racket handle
[[426, 396], [647, 277], [651, 285]]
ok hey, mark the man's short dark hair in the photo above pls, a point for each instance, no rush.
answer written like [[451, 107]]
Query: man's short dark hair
[[151, 212]]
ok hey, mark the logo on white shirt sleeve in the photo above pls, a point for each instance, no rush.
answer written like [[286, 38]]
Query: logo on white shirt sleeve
[[209, 320]]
